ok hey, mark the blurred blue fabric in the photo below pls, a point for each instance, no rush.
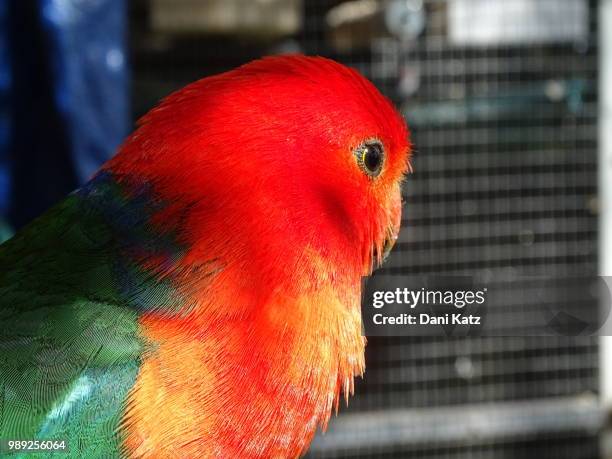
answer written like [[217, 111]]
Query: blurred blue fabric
[[5, 116], [64, 98]]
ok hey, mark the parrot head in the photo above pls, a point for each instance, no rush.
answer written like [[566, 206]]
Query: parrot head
[[280, 156], [280, 182]]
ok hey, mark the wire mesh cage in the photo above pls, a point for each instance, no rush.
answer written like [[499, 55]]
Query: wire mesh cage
[[501, 98]]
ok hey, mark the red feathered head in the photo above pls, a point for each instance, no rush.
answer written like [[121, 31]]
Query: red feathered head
[[279, 158]]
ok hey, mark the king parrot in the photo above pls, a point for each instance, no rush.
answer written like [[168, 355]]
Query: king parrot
[[200, 295]]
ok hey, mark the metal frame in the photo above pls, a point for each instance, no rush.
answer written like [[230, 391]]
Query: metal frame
[[605, 181]]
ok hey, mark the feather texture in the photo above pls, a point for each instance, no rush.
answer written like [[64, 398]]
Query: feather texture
[[200, 296]]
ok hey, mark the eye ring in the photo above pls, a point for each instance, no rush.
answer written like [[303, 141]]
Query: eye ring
[[371, 157]]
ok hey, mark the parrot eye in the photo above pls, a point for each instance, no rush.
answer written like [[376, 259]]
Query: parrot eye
[[370, 157]]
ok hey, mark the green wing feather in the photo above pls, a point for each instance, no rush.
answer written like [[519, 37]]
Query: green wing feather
[[69, 304]]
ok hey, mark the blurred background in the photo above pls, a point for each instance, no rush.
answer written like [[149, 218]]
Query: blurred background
[[506, 100]]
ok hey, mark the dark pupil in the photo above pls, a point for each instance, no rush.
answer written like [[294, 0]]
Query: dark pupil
[[372, 158]]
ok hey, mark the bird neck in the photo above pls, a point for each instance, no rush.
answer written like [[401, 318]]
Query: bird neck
[[291, 358]]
